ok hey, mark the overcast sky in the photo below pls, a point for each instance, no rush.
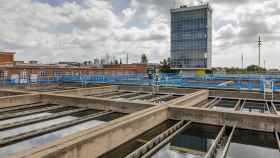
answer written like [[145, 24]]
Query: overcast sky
[[78, 30]]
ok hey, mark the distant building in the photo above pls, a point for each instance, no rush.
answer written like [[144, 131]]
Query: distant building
[[21, 72], [191, 37], [7, 57], [33, 62]]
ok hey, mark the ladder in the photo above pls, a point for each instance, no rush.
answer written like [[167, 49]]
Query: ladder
[[268, 90]]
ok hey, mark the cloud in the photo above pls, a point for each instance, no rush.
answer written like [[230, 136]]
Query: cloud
[[80, 30]]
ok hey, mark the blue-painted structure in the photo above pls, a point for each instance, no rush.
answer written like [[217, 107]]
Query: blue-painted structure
[[239, 82]]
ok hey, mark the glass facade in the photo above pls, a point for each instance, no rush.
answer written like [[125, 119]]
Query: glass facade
[[191, 37]]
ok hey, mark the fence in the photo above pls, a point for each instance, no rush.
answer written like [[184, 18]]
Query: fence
[[239, 82]]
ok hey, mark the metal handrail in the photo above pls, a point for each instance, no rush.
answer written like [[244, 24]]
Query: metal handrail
[[228, 143], [214, 145], [157, 140]]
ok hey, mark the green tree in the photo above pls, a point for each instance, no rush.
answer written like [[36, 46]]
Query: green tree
[[166, 66], [255, 68]]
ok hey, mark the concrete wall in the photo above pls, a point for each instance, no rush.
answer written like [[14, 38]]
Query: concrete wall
[[19, 100], [192, 99], [95, 142], [10, 92], [253, 121], [96, 103], [86, 91], [162, 89], [237, 94]]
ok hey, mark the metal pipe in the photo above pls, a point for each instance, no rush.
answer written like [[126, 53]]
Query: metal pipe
[[274, 108], [214, 145], [237, 105], [212, 105], [34, 133], [277, 139], [163, 142], [228, 143], [268, 109], [209, 103], [242, 106], [24, 113]]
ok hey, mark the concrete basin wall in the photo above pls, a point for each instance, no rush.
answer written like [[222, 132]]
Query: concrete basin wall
[[86, 91], [96, 103], [254, 121], [19, 100], [95, 142], [161, 89], [191, 100]]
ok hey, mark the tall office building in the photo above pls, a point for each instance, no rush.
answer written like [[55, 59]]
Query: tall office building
[[191, 37]]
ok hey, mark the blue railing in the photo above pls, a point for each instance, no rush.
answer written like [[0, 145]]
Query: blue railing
[[250, 82]]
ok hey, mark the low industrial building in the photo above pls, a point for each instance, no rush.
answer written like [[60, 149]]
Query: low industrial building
[[26, 72]]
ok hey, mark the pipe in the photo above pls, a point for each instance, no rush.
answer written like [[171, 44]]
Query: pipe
[[158, 141], [214, 145], [228, 143]]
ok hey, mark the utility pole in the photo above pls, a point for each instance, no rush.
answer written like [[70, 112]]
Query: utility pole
[[259, 46], [242, 61]]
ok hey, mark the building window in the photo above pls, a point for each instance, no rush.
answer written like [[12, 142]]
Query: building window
[[23, 74], [43, 73]]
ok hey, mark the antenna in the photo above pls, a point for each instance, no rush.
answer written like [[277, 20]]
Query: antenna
[[259, 46]]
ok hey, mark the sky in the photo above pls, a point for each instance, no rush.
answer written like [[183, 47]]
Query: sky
[[78, 30]]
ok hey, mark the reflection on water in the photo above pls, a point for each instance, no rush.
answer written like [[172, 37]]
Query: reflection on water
[[193, 142], [167, 152], [23, 129], [253, 144], [47, 138], [18, 119]]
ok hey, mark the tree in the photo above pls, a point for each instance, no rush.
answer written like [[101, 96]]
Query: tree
[[166, 66], [255, 68], [144, 59]]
